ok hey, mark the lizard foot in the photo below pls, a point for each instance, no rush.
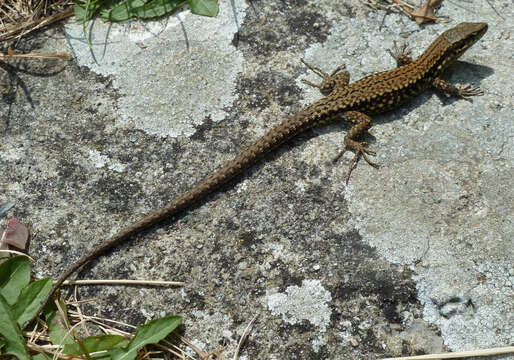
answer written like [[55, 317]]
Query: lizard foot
[[466, 92], [329, 81], [461, 91], [360, 150]]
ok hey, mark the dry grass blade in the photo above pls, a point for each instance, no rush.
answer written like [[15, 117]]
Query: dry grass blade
[[102, 321], [461, 354], [195, 348], [56, 354], [79, 312], [244, 336], [17, 253], [123, 282], [34, 56], [181, 354], [19, 17]]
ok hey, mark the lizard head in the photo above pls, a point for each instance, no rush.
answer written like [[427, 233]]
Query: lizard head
[[460, 38]]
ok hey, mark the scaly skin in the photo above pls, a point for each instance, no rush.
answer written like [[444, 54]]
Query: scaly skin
[[373, 94]]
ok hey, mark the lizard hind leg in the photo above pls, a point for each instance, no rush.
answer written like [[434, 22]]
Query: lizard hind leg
[[329, 82], [361, 124]]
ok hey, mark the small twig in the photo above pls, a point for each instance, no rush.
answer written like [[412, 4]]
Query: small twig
[[66, 324], [34, 56], [170, 345], [195, 348], [244, 336], [34, 337], [34, 333], [79, 312], [170, 350], [406, 7], [56, 354], [395, 5], [123, 282], [100, 320], [17, 253], [459, 355], [71, 331], [76, 302]]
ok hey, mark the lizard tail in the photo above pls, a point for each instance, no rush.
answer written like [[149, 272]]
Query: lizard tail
[[290, 127]]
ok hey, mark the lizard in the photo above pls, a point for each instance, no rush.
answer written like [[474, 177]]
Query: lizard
[[355, 102]]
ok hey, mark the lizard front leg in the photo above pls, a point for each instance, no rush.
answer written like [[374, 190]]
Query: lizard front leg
[[336, 79], [361, 124], [464, 92]]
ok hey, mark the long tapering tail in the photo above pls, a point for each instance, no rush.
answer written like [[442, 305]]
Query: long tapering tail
[[289, 128]]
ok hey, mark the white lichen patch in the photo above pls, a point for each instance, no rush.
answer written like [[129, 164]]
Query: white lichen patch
[[309, 302], [100, 161], [170, 73]]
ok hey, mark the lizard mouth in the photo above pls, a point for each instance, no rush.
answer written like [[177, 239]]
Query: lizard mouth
[[469, 41]]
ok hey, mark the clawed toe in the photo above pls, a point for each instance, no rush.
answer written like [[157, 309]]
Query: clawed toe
[[401, 54], [339, 154], [467, 91], [368, 151], [360, 149], [363, 153], [328, 81]]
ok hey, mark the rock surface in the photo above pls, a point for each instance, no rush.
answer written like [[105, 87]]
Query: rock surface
[[415, 257]]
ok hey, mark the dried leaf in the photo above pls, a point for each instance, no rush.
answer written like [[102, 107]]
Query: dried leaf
[[425, 13], [16, 234], [421, 14]]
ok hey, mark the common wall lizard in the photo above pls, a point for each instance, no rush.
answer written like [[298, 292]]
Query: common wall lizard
[[354, 102]]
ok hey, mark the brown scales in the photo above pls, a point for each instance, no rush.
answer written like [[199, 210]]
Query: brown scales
[[374, 94]]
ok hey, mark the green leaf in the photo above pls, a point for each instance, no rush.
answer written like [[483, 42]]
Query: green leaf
[[141, 8], [14, 276], [57, 327], [2, 342], [14, 342], [30, 300], [204, 7], [96, 343], [84, 13], [86, 10], [122, 11], [150, 333], [156, 8], [41, 356]]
